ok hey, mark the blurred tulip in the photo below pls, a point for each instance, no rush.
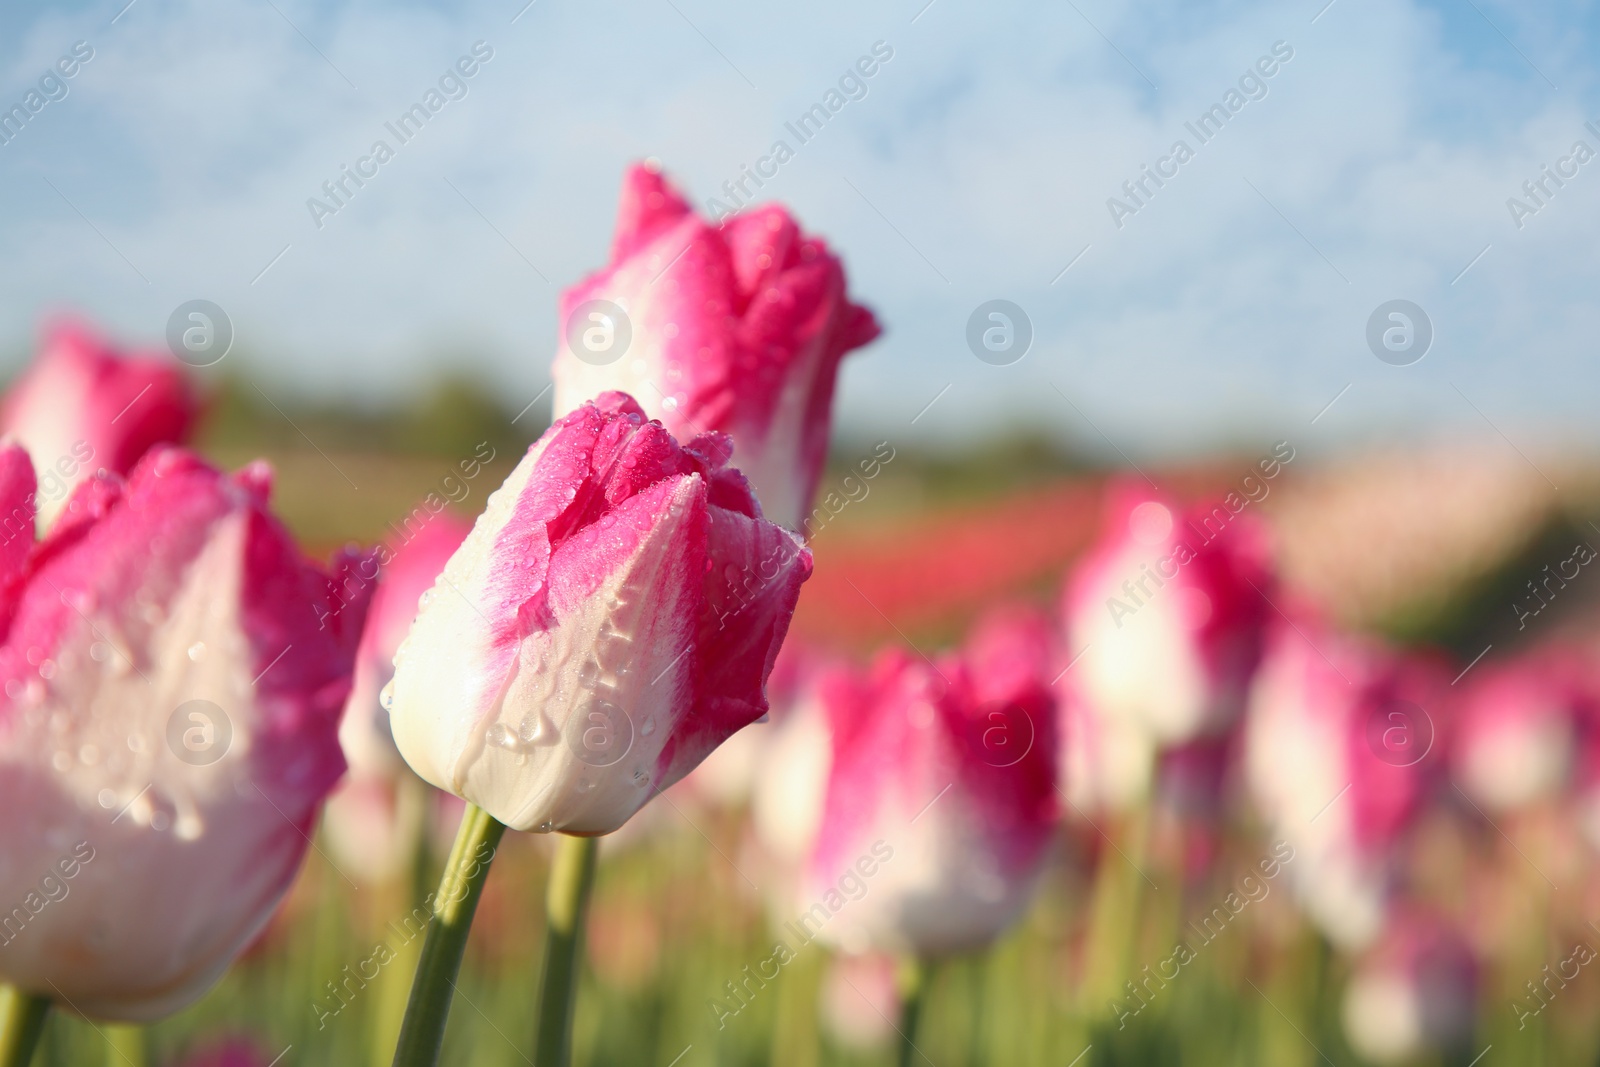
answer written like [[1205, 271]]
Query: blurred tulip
[[1013, 648], [409, 568], [791, 782], [730, 774], [940, 803], [611, 619], [733, 328], [173, 670], [231, 1052], [1340, 746], [374, 822], [1414, 994], [84, 406], [1166, 613], [1106, 764], [859, 997], [1517, 728]]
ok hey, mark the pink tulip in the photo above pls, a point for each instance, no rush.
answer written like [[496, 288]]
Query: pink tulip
[[1014, 647], [1517, 729], [611, 618], [410, 567], [374, 820], [1167, 614], [735, 328], [172, 673], [858, 999], [730, 774], [1340, 747], [790, 781], [1107, 764], [83, 406], [232, 1052], [940, 803]]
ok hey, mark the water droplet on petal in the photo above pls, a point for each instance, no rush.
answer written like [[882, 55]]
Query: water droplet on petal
[[197, 650], [386, 696]]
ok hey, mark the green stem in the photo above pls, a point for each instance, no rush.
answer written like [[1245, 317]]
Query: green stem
[[433, 988], [21, 1022], [125, 1045], [915, 977], [566, 904]]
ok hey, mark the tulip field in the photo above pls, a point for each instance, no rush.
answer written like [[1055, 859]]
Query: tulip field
[[688, 728], [686, 902]]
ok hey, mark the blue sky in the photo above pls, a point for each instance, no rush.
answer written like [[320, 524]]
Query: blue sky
[[1228, 311]]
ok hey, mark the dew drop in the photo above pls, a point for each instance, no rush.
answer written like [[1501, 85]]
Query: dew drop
[[647, 728], [537, 729], [197, 650], [544, 827], [386, 696], [106, 798]]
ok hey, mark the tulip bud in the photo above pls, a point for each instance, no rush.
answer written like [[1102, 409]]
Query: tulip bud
[[736, 328], [940, 803], [374, 820], [1517, 729], [171, 672], [729, 775], [82, 406], [1339, 750], [611, 618], [1167, 612], [411, 565]]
